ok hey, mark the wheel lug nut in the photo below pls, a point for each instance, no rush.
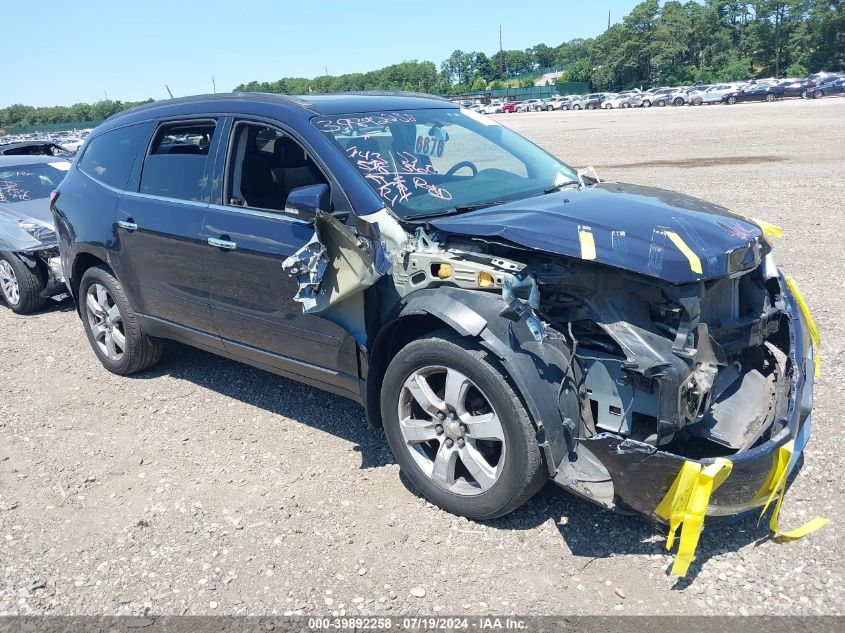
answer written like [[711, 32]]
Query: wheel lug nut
[[449, 442], [464, 428], [438, 429], [461, 442], [441, 415]]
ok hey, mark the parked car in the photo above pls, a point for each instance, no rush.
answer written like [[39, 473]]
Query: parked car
[[830, 87], [657, 96], [715, 93], [511, 106], [494, 107], [531, 105], [764, 92], [685, 96], [35, 148], [30, 269], [617, 101], [480, 309], [590, 101], [567, 101]]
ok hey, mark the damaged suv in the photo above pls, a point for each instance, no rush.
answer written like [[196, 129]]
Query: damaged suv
[[505, 318]]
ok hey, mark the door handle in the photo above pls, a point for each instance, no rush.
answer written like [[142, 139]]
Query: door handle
[[129, 226], [224, 244]]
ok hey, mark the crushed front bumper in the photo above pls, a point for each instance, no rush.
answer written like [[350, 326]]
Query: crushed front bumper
[[641, 474]]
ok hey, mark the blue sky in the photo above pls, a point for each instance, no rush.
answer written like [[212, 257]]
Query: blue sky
[[59, 53]]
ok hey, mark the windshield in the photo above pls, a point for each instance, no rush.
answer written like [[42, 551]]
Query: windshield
[[427, 162], [30, 182]]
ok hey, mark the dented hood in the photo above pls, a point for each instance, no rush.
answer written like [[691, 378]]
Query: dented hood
[[645, 230]]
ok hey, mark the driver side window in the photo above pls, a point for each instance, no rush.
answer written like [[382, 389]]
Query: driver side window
[[265, 165]]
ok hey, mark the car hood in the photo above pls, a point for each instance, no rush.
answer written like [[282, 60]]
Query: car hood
[[646, 230], [15, 238]]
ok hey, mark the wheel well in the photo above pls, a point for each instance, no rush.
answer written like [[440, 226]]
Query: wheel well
[[392, 338], [83, 262]]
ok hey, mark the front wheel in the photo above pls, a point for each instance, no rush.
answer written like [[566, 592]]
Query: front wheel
[[731, 100], [661, 103], [113, 329], [20, 285], [770, 97], [678, 101], [646, 103], [458, 430], [818, 94]]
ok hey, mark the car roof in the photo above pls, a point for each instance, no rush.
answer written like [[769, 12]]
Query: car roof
[[11, 161], [326, 104]]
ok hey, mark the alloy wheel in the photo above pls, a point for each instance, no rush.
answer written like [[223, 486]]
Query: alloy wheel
[[106, 322], [9, 283], [451, 430]]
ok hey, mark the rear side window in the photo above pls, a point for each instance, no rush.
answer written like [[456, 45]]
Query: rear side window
[[109, 157], [175, 165]]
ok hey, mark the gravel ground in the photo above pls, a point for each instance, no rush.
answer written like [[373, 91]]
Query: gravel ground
[[205, 486]]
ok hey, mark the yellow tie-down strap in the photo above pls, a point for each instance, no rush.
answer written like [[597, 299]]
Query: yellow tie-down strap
[[685, 504]]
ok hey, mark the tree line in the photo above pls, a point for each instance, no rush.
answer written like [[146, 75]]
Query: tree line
[[678, 43]]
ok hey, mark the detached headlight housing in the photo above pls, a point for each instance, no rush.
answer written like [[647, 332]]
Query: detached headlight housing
[[40, 232]]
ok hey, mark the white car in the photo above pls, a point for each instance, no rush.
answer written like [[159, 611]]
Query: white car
[[494, 107], [621, 100], [715, 93]]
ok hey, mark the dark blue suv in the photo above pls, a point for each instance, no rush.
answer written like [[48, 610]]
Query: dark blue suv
[[506, 318]]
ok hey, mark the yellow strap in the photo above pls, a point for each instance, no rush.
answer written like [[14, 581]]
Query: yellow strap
[[782, 459], [588, 242], [694, 261], [769, 230], [686, 502], [811, 323]]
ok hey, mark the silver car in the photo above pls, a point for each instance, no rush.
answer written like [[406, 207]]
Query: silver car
[[30, 268]]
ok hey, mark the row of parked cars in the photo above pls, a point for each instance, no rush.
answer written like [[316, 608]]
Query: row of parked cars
[[813, 87]]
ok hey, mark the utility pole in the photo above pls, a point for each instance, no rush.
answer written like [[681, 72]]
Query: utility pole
[[213, 84], [327, 71], [608, 19], [501, 56]]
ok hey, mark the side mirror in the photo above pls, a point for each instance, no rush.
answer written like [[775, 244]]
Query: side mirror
[[304, 202]]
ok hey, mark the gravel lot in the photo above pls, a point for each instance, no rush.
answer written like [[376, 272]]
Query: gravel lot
[[205, 486]]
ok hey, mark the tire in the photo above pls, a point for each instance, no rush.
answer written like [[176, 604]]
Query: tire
[[118, 323], [678, 101], [608, 106], [519, 469], [590, 106], [576, 107], [566, 107], [625, 105], [818, 94], [646, 103], [661, 103], [20, 285], [697, 102], [803, 94], [731, 100], [770, 98]]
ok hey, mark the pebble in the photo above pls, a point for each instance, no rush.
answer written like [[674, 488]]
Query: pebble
[[418, 592]]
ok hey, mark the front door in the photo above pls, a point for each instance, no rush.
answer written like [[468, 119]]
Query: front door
[[248, 239]]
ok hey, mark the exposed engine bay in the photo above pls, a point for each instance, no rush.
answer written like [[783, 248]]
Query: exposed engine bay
[[690, 368]]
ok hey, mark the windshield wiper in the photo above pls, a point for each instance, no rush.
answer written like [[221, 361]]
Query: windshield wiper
[[461, 208], [563, 185]]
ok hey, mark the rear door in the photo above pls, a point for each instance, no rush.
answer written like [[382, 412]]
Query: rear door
[[160, 225], [248, 235]]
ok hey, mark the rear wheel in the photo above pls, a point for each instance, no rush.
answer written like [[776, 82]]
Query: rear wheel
[[678, 101], [697, 101], [20, 285], [646, 103], [818, 94], [770, 97], [113, 329], [660, 103], [732, 100], [458, 430]]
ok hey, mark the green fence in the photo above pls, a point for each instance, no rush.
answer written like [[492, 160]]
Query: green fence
[[52, 127]]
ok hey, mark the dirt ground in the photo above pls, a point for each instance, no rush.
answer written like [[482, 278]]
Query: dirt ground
[[205, 486]]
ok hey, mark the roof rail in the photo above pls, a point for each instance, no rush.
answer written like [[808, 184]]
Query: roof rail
[[295, 100]]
